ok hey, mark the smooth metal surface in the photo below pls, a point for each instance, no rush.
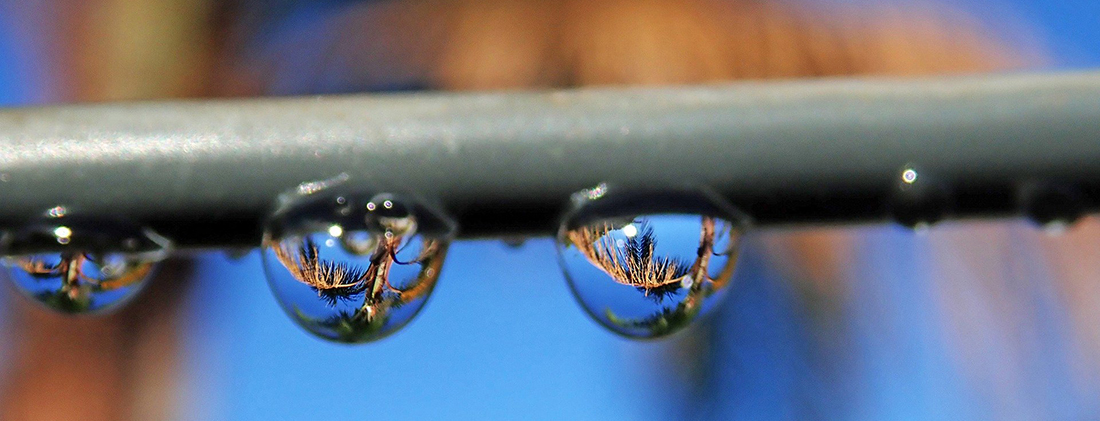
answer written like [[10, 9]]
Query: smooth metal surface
[[205, 172]]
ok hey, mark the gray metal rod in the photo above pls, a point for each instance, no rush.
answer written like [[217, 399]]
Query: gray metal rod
[[504, 164]]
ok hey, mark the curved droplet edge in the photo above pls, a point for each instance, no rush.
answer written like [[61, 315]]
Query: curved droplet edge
[[342, 185], [612, 195]]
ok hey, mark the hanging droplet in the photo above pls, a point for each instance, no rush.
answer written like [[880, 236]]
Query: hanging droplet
[[236, 253], [918, 200], [1054, 207], [646, 264], [354, 268], [78, 265], [514, 242]]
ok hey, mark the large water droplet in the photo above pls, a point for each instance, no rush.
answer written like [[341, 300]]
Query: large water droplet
[[351, 267], [77, 265], [918, 200], [646, 264]]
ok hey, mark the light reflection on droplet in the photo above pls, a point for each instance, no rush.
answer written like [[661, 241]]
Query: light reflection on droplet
[[316, 186], [630, 230], [909, 176], [63, 234], [335, 231], [590, 194], [57, 212]]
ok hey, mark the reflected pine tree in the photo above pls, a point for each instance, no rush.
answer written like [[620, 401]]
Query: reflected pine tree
[[632, 261], [78, 288], [343, 282]]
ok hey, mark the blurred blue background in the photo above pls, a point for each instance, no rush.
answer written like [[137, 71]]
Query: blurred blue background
[[503, 339], [16, 82]]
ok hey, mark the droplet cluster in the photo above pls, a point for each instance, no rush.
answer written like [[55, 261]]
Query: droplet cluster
[[352, 266]]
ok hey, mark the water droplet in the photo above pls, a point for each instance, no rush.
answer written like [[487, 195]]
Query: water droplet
[[646, 264], [1054, 207], [78, 265], [237, 253], [918, 201], [351, 267], [515, 242]]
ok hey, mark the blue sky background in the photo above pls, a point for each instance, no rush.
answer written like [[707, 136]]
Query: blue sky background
[[1071, 27], [15, 64], [502, 338]]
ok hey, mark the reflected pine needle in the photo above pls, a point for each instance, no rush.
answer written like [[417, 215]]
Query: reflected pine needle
[[633, 262], [337, 282], [70, 270], [333, 281]]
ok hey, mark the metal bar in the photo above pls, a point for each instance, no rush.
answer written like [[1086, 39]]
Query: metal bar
[[504, 164]]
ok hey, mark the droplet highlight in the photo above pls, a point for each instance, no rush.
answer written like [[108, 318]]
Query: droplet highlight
[[76, 265], [354, 268], [647, 264]]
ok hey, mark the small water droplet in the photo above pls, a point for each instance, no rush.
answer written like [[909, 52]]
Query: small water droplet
[[1055, 228], [515, 242], [918, 200], [237, 253], [646, 264], [78, 265], [354, 268], [1054, 207]]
